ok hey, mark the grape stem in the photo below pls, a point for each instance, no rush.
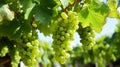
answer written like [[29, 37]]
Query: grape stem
[[71, 5], [4, 61]]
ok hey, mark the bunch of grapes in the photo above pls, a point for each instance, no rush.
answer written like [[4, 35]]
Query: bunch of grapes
[[67, 24], [9, 47], [116, 39], [87, 36], [3, 51], [3, 47], [29, 50], [14, 55]]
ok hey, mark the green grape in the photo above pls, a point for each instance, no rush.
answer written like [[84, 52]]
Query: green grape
[[58, 36], [67, 55], [63, 52], [61, 28], [14, 55], [46, 45], [41, 51], [64, 33], [35, 42], [34, 24], [62, 38], [103, 52], [33, 50], [69, 48], [40, 44], [29, 35], [87, 36], [4, 51], [30, 51], [64, 15], [70, 13], [62, 60], [67, 35], [28, 44]]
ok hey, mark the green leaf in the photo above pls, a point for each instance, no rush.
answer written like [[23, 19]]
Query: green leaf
[[36, 1], [10, 29], [103, 9], [96, 21], [25, 27], [94, 15], [13, 29], [44, 11], [83, 17], [113, 8], [28, 11], [99, 7], [46, 29], [28, 5], [118, 4], [64, 3]]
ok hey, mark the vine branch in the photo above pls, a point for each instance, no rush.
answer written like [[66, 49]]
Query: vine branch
[[70, 5]]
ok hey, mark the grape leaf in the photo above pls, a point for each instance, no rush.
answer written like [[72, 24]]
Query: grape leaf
[[118, 4], [99, 7], [113, 8], [83, 16], [25, 27], [28, 5], [46, 29], [96, 21], [44, 11], [10, 29], [94, 15], [13, 29]]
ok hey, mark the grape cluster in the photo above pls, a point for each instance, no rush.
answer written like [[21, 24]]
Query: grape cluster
[[29, 51], [3, 47], [116, 38], [67, 24], [87, 36], [14, 55], [3, 51], [9, 47]]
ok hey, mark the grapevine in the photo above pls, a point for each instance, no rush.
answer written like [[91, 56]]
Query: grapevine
[[21, 22], [66, 27]]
